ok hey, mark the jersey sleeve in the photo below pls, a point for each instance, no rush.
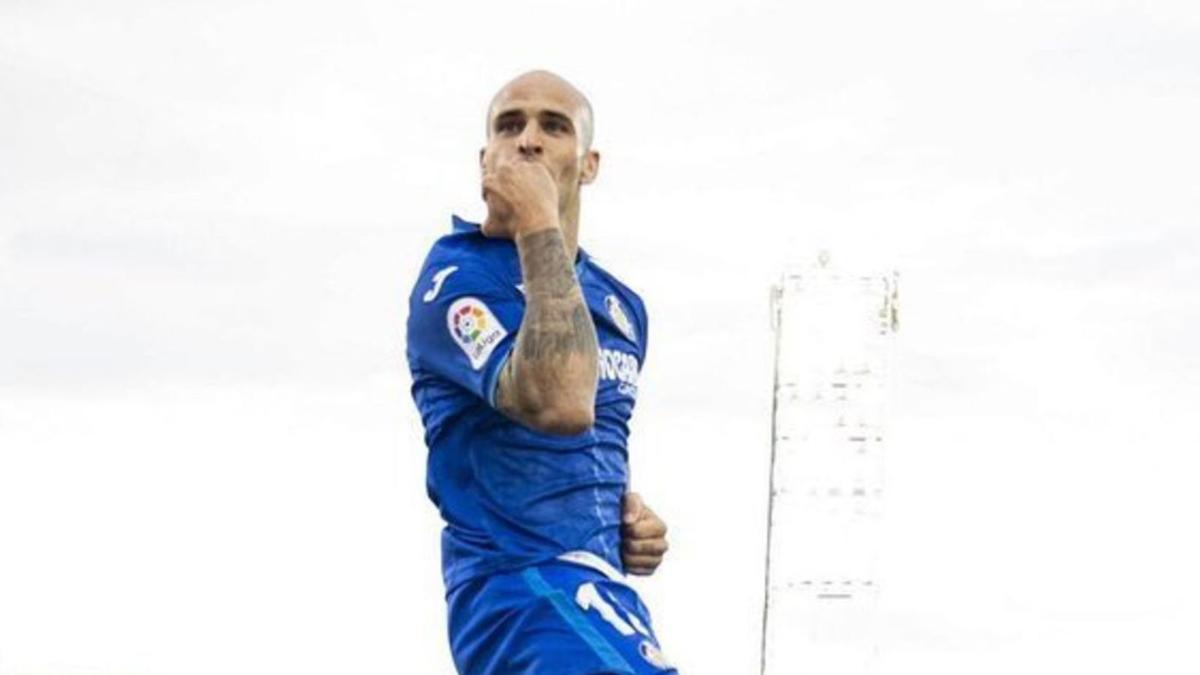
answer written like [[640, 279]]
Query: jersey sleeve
[[462, 325]]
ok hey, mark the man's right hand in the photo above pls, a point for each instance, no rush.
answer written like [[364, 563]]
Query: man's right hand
[[521, 197]]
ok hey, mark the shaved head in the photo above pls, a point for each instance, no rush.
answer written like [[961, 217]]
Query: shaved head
[[546, 81]]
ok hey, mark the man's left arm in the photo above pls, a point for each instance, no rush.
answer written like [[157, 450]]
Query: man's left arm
[[643, 536]]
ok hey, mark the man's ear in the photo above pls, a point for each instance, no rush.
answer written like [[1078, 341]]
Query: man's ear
[[591, 167]]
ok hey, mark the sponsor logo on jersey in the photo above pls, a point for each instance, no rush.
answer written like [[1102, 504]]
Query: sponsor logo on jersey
[[653, 655], [438, 280], [619, 317], [620, 367], [475, 329]]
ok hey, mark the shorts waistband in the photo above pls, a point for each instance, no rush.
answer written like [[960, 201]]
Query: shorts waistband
[[589, 559]]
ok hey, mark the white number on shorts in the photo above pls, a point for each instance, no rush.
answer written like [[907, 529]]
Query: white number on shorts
[[589, 597]]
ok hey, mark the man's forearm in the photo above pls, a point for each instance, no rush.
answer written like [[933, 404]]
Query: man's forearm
[[549, 381]]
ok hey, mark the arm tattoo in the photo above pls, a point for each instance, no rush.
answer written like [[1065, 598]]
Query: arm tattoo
[[549, 335], [557, 322], [555, 357], [544, 263]]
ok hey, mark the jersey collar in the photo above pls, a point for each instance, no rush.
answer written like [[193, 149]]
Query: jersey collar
[[460, 225]]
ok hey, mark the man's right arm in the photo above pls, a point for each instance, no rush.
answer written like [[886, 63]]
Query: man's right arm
[[549, 380]]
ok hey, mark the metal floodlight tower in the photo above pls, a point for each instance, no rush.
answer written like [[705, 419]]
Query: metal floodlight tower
[[833, 352]]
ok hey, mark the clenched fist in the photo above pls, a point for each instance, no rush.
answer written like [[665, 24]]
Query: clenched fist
[[521, 197], [643, 536]]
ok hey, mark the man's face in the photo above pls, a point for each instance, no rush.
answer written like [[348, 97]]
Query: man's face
[[539, 119]]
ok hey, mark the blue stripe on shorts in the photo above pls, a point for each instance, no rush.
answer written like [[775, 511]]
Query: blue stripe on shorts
[[573, 616]]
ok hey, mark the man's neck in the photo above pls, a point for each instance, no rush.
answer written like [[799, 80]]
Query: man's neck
[[568, 219]]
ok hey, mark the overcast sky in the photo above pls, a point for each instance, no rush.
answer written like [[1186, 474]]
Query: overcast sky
[[211, 214]]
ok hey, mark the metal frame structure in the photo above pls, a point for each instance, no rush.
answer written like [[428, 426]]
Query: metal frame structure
[[833, 354]]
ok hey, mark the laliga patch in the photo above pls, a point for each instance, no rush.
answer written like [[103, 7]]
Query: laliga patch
[[619, 317], [475, 329], [653, 655]]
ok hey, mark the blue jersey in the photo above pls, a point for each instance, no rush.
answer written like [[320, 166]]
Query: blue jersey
[[512, 496]]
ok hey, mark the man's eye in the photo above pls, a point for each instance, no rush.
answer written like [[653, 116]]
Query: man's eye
[[508, 126]]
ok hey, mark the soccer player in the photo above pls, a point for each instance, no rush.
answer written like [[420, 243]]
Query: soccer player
[[525, 356]]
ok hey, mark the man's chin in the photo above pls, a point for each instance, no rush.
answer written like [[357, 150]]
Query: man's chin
[[492, 231]]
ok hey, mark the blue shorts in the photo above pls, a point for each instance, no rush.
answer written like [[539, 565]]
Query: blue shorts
[[556, 618]]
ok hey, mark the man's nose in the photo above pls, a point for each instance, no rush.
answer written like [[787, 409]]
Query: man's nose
[[530, 144]]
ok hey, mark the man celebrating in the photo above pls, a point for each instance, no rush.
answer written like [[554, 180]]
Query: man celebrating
[[525, 357]]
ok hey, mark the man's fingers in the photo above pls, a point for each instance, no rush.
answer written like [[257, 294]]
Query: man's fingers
[[649, 526], [631, 508], [641, 562], [643, 533], [645, 546]]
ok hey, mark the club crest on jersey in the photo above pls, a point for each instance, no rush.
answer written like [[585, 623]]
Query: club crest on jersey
[[619, 317], [474, 329]]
